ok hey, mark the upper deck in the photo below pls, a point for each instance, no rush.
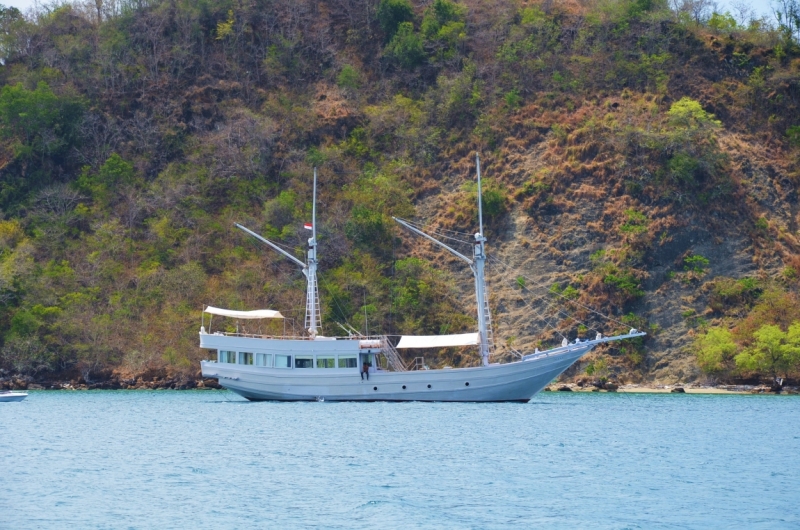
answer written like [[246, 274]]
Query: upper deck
[[271, 344]]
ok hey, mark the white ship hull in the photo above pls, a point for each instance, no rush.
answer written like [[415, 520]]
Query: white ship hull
[[516, 381]]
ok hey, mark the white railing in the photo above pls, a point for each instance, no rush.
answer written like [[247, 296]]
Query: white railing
[[259, 336], [419, 364]]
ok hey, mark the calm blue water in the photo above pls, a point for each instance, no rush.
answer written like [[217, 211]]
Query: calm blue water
[[166, 459]]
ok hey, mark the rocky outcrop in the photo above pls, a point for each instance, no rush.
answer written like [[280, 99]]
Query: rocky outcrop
[[16, 382]]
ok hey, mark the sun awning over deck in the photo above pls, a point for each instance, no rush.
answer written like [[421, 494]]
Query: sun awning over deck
[[437, 341], [259, 313]]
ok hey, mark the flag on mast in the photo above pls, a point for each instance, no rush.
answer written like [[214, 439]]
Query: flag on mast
[[308, 226]]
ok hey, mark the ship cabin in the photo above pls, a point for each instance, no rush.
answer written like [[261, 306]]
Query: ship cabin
[[278, 351], [288, 352], [308, 361]]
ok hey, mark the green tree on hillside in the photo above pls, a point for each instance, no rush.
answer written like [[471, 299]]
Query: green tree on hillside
[[392, 13], [40, 128], [444, 27], [775, 352], [102, 184], [440, 15], [423, 300], [12, 23], [406, 46], [39, 122], [689, 114], [715, 350], [689, 140]]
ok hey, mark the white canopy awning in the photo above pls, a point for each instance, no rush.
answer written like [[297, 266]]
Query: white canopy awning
[[437, 341], [259, 313]]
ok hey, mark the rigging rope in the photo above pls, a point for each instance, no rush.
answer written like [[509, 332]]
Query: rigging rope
[[558, 310], [546, 319], [564, 297], [441, 234], [335, 301], [421, 226], [284, 246]]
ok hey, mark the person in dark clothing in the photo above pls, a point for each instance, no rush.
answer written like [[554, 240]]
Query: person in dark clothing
[[365, 371]]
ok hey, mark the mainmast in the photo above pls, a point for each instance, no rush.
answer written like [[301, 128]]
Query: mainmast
[[481, 296], [312, 323], [477, 265]]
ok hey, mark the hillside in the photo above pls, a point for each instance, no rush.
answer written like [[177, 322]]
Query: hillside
[[640, 167]]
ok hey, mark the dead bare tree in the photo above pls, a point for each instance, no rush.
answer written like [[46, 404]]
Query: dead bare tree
[[699, 10], [743, 12], [101, 137], [54, 209], [57, 201]]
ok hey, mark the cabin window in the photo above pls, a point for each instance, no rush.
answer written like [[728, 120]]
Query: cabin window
[[227, 356], [264, 359], [303, 361], [245, 357], [348, 361], [326, 362], [283, 361]]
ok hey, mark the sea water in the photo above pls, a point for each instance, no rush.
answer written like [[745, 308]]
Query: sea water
[[209, 459]]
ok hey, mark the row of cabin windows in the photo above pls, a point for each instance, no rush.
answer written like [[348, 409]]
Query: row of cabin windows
[[285, 361]]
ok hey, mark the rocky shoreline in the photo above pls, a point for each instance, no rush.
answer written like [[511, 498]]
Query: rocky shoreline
[[115, 382]]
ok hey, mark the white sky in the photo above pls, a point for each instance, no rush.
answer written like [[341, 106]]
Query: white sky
[[22, 5], [761, 7]]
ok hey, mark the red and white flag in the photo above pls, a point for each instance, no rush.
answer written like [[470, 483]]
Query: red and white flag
[[308, 226]]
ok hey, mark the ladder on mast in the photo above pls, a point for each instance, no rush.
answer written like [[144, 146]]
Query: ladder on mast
[[487, 315], [313, 319]]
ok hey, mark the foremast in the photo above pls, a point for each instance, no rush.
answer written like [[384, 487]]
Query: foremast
[[309, 269], [477, 265]]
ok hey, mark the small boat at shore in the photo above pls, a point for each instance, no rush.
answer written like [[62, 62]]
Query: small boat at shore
[[7, 396], [313, 367]]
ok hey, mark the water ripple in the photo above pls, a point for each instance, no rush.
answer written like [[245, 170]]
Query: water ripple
[[174, 459]]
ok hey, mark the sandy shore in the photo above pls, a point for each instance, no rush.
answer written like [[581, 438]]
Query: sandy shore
[[631, 389], [671, 389]]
